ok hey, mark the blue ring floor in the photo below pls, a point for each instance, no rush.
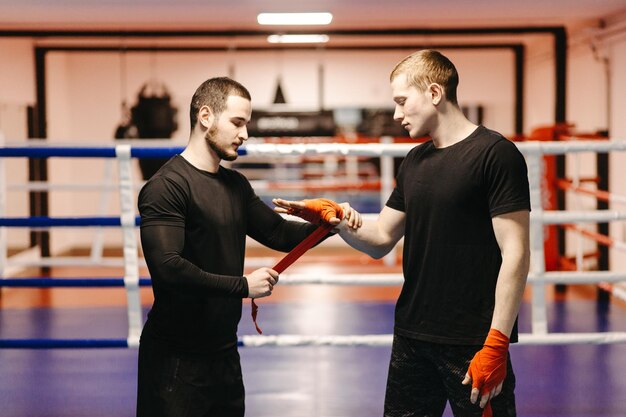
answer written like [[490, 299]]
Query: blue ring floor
[[552, 381]]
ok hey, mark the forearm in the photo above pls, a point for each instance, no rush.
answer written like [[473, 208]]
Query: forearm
[[510, 290], [162, 247], [368, 239], [377, 238]]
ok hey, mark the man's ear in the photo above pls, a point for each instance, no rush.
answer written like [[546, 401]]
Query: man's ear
[[436, 93], [206, 117]]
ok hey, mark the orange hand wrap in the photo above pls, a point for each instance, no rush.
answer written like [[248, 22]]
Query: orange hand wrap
[[318, 211], [488, 367]]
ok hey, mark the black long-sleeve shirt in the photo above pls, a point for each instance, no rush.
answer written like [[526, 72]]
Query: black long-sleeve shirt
[[193, 233]]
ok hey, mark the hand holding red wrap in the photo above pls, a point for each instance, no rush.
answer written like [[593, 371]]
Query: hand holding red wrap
[[487, 369], [318, 211]]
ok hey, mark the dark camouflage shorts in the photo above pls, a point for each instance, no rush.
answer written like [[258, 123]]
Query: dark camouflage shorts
[[423, 376]]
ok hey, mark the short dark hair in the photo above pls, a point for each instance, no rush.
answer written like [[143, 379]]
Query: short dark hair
[[213, 93], [429, 66]]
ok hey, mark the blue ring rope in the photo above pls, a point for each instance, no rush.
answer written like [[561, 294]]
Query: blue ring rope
[[69, 343], [62, 343], [48, 151], [155, 152], [68, 282], [91, 152], [43, 221]]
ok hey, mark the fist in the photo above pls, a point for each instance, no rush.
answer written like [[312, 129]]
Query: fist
[[261, 282]]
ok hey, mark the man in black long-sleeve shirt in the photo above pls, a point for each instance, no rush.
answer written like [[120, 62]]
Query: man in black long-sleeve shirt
[[195, 215]]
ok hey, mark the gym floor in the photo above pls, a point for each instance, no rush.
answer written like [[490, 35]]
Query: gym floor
[[560, 380]]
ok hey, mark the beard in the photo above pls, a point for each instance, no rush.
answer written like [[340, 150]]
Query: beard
[[220, 151]]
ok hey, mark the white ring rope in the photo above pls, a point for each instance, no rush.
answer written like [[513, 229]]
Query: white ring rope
[[366, 149], [587, 216], [386, 339], [33, 259], [401, 149], [46, 186], [341, 279], [316, 340]]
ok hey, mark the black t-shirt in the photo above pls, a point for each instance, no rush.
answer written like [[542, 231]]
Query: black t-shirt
[[193, 234], [451, 258]]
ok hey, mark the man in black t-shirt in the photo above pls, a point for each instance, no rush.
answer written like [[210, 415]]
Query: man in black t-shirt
[[462, 204], [195, 216]]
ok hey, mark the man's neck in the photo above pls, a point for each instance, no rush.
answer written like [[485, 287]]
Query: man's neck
[[198, 154], [452, 128]]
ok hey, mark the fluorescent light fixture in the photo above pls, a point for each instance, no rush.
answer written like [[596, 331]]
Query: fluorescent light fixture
[[297, 38], [294, 18]]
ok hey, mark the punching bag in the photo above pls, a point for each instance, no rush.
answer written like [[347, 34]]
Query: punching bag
[[154, 118]]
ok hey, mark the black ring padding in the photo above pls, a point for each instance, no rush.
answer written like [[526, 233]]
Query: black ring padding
[[68, 282], [62, 343], [44, 221]]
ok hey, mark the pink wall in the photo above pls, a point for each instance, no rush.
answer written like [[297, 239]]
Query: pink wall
[[84, 95]]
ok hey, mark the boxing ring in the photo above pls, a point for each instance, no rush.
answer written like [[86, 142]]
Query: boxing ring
[[128, 221]]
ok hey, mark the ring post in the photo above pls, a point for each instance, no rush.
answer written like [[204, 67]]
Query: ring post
[[386, 187], [539, 321], [131, 266]]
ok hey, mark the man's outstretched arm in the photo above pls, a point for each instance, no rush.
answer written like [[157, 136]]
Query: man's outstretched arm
[[375, 238]]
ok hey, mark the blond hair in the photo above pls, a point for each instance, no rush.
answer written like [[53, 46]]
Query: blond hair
[[428, 66]]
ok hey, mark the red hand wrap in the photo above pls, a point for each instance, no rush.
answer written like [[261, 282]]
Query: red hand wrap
[[291, 257], [488, 367], [318, 211]]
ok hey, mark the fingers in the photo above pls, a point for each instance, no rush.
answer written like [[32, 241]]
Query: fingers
[[261, 282], [350, 216], [334, 221], [493, 393], [272, 279], [498, 389], [282, 206], [486, 396], [287, 204], [489, 395], [475, 391], [474, 395], [467, 379], [273, 276], [294, 208]]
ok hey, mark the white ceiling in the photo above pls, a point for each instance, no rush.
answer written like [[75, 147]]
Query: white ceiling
[[241, 14]]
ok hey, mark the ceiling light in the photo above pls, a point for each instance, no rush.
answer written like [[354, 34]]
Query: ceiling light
[[294, 18], [297, 38]]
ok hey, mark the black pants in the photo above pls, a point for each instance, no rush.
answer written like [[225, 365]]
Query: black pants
[[423, 376], [175, 385]]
